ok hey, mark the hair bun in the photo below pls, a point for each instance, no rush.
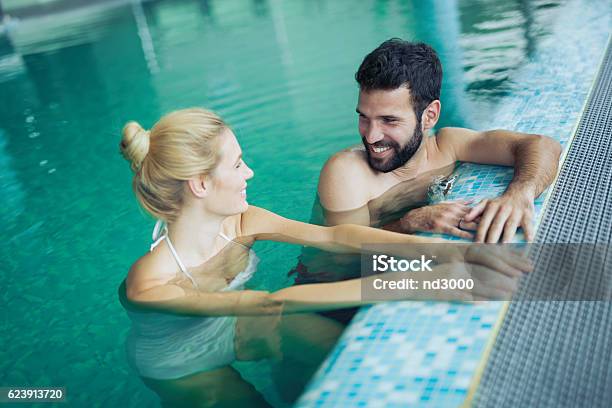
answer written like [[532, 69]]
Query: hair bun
[[134, 144]]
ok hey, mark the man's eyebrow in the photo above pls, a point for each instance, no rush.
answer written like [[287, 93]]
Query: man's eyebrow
[[238, 159], [385, 117]]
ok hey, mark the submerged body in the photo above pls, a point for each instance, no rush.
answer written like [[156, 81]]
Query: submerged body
[[167, 346]]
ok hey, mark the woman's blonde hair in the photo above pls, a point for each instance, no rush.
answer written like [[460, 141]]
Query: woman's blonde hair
[[181, 145]]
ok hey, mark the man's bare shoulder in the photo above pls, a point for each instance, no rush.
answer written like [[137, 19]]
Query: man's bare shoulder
[[449, 141], [349, 161], [344, 182]]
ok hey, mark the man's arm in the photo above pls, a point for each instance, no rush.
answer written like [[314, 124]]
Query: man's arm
[[535, 159], [343, 190], [446, 218]]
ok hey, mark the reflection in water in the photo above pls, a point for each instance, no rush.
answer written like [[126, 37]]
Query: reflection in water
[[444, 16], [280, 31], [496, 45], [526, 9], [11, 63], [205, 8], [260, 8], [148, 48], [11, 189], [189, 357]]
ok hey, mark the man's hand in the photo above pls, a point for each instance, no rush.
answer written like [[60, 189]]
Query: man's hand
[[503, 215], [446, 217]]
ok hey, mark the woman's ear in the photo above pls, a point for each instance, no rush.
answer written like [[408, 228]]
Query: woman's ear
[[197, 185]]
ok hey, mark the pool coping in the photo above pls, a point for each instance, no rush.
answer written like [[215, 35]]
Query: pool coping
[[498, 324]]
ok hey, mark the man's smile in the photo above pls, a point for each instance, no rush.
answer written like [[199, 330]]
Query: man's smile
[[380, 150]]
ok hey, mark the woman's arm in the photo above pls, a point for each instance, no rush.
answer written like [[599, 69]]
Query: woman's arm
[[262, 224], [175, 299], [181, 301]]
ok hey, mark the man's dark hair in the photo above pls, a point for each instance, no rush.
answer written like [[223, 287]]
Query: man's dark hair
[[396, 63]]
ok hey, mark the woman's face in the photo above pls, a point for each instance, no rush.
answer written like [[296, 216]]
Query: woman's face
[[228, 182]]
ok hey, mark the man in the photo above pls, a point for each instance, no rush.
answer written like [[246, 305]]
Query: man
[[399, 104], [386, 182]]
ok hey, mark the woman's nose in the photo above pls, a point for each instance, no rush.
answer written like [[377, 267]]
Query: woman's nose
[[249, 173]]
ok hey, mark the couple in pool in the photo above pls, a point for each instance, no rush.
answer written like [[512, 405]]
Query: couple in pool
[[192, 317]]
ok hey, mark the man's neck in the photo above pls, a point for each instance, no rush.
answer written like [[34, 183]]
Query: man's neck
[[416, 165]]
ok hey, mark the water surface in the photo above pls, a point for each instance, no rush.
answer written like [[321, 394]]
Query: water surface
[[280, 72]]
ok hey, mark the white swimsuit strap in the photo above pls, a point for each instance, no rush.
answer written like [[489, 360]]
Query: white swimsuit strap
[[179, 262], [161, 228], [158, 234], [222, 235]]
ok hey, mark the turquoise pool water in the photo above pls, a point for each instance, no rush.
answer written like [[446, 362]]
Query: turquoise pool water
[[280, 73]]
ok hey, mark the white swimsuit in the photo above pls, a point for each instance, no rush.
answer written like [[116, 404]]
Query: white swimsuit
[[168, 346]]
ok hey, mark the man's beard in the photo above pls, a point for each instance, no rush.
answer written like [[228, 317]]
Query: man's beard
[[400, 156]]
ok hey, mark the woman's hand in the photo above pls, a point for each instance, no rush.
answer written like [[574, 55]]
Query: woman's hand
[[453, 281], [499, 258]]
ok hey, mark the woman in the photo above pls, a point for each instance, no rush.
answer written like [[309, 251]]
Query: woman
[[184, 296]]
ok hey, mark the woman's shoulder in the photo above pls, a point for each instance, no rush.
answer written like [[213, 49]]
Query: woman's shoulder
[[235, 227], [231, 227], [153, 269], [253, 221]]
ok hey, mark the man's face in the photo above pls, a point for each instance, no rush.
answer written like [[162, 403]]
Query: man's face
[[389, 128]]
